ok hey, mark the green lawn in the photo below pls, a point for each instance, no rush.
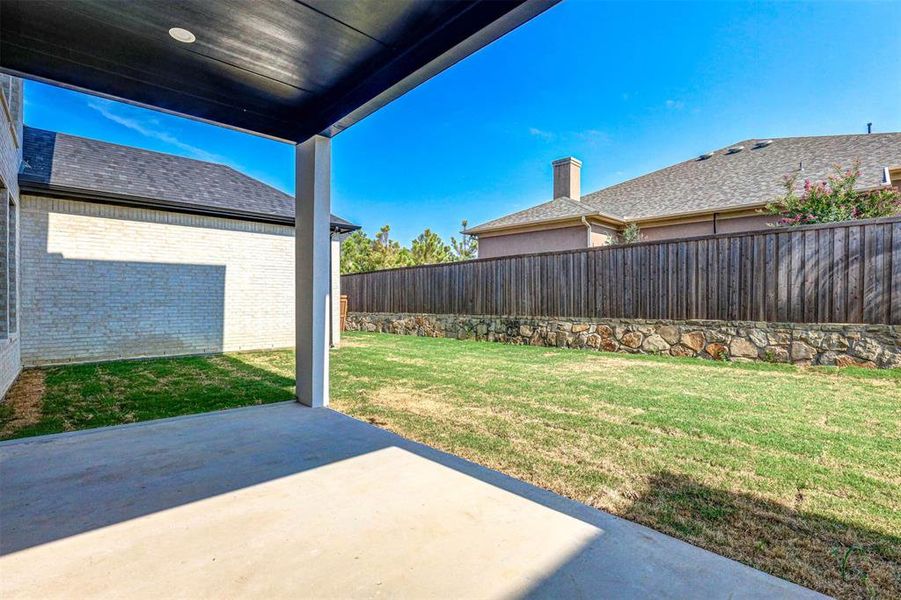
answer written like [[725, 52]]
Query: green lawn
[[794, 471]]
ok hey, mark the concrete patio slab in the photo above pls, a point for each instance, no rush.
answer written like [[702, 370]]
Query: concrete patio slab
[[285, 501]]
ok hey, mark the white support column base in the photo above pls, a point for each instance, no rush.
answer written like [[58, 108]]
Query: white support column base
[[312, 270]]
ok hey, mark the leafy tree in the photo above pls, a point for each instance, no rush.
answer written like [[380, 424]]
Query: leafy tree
[[833, 200], [466, 248], [428, 249]]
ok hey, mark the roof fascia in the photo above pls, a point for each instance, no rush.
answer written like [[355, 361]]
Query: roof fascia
[[28, 186]]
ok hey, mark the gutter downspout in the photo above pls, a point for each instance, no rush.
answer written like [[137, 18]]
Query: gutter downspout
[[588, 227]]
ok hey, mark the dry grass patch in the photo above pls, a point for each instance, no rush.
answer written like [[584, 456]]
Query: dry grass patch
[[348, 341], [24, 402], [407, 399], [96, 395], [409, 360]]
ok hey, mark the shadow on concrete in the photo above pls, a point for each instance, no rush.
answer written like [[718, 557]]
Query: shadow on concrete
[[60, 486], [834, 557]]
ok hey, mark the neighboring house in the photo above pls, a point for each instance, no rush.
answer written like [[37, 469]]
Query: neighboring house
[[719, 192], [127, 253]]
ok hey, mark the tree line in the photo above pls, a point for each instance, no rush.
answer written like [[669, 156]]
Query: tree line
[[359, 252]]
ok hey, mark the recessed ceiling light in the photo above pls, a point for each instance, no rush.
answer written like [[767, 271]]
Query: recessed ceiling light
[[182, 35]]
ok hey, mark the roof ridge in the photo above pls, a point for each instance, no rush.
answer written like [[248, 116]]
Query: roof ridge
[[738, 143], [134, 148]]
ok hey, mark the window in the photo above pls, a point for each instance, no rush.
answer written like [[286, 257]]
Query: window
[[9, 276], [894, 176], [4, 262], [13, 261], [11, 108], [11, 88], [6, 86]]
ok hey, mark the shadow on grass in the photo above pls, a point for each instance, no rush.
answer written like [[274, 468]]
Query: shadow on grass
[[821, 553], [114, 393]]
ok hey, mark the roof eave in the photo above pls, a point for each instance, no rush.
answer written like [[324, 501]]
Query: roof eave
[[30, 185], [576, 218], [344, 227], [756, 205]]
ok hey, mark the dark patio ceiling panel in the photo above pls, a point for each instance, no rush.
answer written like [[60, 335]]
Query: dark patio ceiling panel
[[282, 68], [383, 20]]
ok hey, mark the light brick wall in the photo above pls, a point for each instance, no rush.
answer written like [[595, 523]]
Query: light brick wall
[[10, 365], [11, 135], [103, 282], [10, 157]]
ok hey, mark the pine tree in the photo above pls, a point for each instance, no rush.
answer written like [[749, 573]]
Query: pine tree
[[387, 253], [467, 247], [428, 249], [356, 253]]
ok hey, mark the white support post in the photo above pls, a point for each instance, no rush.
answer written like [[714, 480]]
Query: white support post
[[312, 258], [335, 313]]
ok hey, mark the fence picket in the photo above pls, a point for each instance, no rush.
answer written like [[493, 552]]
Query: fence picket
[[843, 272]]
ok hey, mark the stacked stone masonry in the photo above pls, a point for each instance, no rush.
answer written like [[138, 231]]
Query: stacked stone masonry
[[807, 344]]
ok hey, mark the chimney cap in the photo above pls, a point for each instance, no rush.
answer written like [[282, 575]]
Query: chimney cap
[[567, 160]]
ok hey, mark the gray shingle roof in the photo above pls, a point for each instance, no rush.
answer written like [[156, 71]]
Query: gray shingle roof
[[750, 177], [71, 163], [552, 210]]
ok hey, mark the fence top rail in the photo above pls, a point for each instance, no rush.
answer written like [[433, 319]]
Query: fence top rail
[[742, 234]]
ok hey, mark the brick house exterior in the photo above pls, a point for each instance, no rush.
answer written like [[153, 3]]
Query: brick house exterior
[[103, 282], [10, 158], [126, 253]]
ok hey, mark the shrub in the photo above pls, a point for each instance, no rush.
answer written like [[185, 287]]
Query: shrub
[[835, 199], [629, 235]]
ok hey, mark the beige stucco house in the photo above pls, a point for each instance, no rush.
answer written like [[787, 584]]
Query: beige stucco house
[[117, 252], [718, 192]]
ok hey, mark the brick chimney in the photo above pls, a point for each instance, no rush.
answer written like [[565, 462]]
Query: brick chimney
[[567, 178]]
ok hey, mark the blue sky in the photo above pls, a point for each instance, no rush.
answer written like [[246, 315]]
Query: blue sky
[[625, 87]]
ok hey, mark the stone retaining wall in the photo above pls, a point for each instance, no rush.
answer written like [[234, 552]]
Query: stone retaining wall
[[829, 344]]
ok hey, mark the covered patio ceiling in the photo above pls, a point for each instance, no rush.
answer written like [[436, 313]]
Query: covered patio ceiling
[[294, 70], [286, 69]]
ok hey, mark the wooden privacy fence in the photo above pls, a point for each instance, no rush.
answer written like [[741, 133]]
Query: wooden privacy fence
[[841, 273]]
